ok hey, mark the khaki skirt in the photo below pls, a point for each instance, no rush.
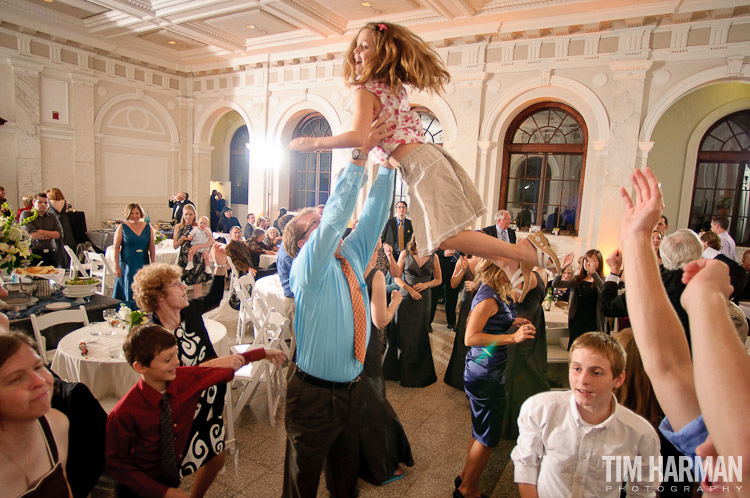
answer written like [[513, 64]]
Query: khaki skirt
[[443, 199]]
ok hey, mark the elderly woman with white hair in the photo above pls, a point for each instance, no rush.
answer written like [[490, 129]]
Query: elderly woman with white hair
[[677, 250]]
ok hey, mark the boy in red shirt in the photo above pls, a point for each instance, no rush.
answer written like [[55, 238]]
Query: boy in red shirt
[[136, 456]]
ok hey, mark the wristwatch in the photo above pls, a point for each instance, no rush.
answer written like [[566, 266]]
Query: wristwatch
[[357, 155]]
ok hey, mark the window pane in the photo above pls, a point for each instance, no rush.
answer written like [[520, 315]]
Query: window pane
[[556, 166], [310, 185], [553, 194], [513, 191], [573, 167], [569, 194], [711, 144], [706, 177], [325, 162], [728, 175], [551, 217]]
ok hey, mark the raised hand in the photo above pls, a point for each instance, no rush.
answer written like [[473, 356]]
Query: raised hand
[[388, 250], [642, 215], [567, 260], [705, 275], [614, 261]]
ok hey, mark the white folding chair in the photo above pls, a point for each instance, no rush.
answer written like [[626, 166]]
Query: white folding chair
[[99, 267], [42, 322], [251, 376], [233, 273], [76, 267], [249, 315], [279, 325]]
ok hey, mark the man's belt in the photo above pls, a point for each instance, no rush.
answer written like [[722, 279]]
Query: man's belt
[[309, 379]]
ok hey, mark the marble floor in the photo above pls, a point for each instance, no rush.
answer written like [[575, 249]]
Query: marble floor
[[436, 420]]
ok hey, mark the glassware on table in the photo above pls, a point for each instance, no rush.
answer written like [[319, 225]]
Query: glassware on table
[[110, 316], [96, 328], [115, 351]]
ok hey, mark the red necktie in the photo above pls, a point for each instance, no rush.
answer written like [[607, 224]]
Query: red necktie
[[358, 307]]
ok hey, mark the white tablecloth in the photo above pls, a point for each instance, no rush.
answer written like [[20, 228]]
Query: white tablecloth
[[268, 285], [111, 377], [267, 260]]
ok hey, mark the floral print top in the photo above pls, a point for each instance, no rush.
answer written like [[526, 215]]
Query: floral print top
[[408, 126]]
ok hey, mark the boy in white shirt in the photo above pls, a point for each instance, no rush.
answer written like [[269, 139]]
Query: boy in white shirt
[[566, 437], [199, 236]]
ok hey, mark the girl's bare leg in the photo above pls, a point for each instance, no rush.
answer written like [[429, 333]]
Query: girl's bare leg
[[491, 248]]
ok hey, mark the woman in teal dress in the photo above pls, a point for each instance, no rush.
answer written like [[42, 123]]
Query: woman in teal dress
[[134, 242]]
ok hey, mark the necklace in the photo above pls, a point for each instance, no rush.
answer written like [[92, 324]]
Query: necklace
[[25, 476]]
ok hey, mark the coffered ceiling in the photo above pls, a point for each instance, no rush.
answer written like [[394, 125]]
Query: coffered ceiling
[[196, 35]]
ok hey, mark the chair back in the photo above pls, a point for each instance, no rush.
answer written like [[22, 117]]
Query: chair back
[[76, 267], [99, 267], [280, 324], [233, 273], [42, 322], [243, 289]]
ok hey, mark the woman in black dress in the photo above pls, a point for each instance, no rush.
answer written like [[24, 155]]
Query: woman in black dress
[[408, 358], [463, 274], [382, 439], [158, 290], [197, 274], [526, 367], [585, 309]]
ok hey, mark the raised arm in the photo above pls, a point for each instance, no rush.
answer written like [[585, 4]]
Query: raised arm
[[366, 106], [657, 330], [718, 357]]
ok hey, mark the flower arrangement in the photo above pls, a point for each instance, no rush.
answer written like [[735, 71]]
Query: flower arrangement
[[15, 241], [132, 317], [159, 237]]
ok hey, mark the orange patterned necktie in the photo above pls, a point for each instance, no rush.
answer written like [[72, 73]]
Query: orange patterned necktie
[[358, 307]]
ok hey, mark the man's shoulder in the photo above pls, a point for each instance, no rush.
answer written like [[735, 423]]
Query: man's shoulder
[[548, 401], [491, 230]]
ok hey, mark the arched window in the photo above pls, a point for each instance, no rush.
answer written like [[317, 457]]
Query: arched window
[[239, 169], [722, 177], [311, 171], [543, 166]]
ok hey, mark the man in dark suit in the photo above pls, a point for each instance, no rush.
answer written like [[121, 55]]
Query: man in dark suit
[[177, 203], [398, 230], [501, 229]]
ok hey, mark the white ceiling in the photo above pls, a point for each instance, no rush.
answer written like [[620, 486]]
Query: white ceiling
[[195, 35]]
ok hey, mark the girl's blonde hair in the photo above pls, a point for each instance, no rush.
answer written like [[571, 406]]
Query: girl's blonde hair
[[490, 274], [401, 58]]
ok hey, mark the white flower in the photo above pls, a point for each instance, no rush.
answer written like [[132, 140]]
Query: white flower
[[124, 313], [15, 234], [4, 247]]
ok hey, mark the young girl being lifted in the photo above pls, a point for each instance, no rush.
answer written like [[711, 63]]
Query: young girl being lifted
[[444, 202]]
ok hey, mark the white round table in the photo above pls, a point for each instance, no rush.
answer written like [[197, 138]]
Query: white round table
[[111, 377], [268, 285], [267, 260]]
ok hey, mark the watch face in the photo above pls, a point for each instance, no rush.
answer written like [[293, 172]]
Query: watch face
[[356, 154]]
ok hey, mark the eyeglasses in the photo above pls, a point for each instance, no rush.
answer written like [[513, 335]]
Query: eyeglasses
[[177, 284], [309, 227]]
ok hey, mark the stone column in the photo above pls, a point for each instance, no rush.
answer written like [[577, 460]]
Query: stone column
[[28, 137], [201, 175], [623, 153], [84, 150]]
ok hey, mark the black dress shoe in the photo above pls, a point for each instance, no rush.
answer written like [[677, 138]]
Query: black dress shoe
[[457, 481]]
